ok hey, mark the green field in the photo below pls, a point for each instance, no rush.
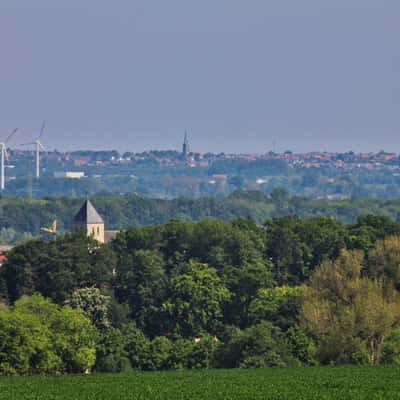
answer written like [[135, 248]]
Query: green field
[[303, 383]]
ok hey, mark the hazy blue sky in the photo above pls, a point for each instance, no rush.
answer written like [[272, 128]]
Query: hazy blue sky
[[311, 74]]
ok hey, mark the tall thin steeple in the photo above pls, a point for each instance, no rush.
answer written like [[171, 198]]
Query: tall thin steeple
[[185, 146]]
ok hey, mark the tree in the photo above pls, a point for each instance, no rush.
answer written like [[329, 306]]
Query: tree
[[324, 236], [349, 315], [111, 353], [55, 269], [136, 345], [384, 260], [141, 282], [370, 228], [280, 197], [298, 246], [38, 336], [280, 305], [244, 283], [301, 346], [260, 346], [391, 348], [94, 305], [159, 353], [26, 346], [290, 256], [75, 338], [195, 301]]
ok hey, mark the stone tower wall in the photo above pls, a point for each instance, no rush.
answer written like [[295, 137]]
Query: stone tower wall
[[97, 231]]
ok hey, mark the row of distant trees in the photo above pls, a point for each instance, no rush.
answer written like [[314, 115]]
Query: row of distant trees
[[21, 218], [208, 294]]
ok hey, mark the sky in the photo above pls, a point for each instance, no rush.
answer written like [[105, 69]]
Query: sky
[[239, 75]]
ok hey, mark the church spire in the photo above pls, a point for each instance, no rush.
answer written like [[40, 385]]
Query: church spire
[[185, 146]]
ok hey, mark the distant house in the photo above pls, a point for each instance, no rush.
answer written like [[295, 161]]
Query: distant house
[[3, 258], [218, 179], [68, 174], [3, 250]]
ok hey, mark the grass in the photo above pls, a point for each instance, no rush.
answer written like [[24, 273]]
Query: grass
[[303, 383]]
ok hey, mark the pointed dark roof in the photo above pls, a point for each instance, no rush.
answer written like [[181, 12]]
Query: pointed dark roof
[[88, 215]]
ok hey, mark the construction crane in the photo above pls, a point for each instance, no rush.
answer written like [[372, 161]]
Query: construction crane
[[52, 230], [38, 146], [4, 156]]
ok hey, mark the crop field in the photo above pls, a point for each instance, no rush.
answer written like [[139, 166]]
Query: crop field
[[303, 383]]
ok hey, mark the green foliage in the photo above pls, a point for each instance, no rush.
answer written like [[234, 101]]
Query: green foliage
[[195, 300], [349, 315], [142, 284], [280, 305], [111, 354], [297, 246], [188, 295], [37, 336], [21, 217], [384, 260], [136, 345], [55, 269], [26, 346], [262, 345], [94, 305], [121, 350], [391, 348], [301, 346], [370, 228], [244, 283]]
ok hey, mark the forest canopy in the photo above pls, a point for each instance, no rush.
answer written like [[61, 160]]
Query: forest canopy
[[207, 294]]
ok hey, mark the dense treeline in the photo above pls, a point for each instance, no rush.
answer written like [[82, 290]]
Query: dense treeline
[[20, 218], [204, 294]]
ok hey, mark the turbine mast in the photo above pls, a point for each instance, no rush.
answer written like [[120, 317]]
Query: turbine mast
[[38, 146], [37, 159], [3, 151], [3, 155]]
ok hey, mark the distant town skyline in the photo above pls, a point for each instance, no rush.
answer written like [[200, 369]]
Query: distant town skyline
[[177, 146], [239, 76]]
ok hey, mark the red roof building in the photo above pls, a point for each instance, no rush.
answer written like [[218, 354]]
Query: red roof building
[[3, 258]]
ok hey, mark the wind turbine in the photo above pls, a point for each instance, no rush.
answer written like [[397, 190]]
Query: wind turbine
[[38, 146], [4, 156]]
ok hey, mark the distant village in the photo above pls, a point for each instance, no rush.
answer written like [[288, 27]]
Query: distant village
[[35, 171], [77, 163]]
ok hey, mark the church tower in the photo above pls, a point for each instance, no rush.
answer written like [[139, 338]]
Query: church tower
[[89, 220], [185, 146]]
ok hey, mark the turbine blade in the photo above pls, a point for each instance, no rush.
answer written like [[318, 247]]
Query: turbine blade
[[41, 146], [42, 129], [27, 144], [8, 138]]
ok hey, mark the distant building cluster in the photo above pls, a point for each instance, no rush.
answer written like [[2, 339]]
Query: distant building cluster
[[80, 164], [74, 160]]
